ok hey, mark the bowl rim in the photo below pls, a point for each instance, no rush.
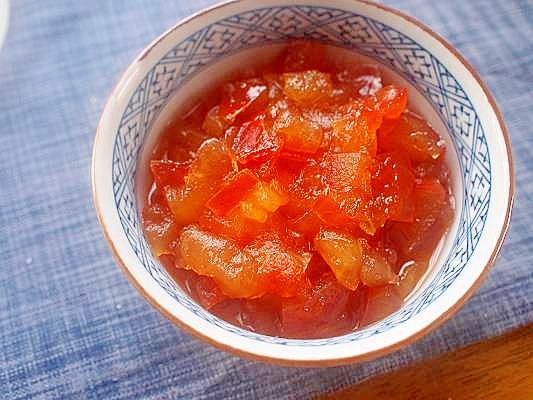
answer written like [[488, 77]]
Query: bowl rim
[[364, 356]]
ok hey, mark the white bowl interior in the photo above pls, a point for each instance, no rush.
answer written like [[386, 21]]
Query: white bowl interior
[[204, 51]]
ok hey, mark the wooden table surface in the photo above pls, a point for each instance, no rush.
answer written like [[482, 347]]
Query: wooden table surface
[[499, 368]]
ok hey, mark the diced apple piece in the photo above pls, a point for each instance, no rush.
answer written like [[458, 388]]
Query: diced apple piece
[[413, 136], [347, 171], [253, 142], [304, 186], [347, 210], [382, 302], [375, 269], [221, 260], [279, 267], [182, 138], [342, 253], [259, 315], [410, 275], [160, 228], [329, 210], [300, 135], [264, 266], [323, 117], [427, 144], [356, 131], [392, 187], [432, 214], [304, 55], [202, 289], [324, 310], [206, 173], [307, 87], [269, 195], [242, 99], [232, 192], [364, 80], [433, 170], [308, 224], [390, 101], [214, 124], [264, 199], [253, 211], [348, 180], [168, 173], [274, 84], [235, 225]]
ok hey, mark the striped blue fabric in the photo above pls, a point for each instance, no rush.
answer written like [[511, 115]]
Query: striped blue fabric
[[71, 326]]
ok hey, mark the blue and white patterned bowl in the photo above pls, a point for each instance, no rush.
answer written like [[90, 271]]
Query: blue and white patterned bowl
[[444, 88]]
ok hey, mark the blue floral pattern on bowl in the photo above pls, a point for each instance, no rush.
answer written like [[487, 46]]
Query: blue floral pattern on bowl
[[333, 27]]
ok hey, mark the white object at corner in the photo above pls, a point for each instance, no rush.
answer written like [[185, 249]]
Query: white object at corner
[[4, 20]]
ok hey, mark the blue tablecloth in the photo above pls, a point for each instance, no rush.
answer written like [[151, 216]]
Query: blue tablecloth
[[70, 323]]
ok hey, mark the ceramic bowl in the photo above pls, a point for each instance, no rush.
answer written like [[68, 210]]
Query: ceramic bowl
[[202, 49]]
